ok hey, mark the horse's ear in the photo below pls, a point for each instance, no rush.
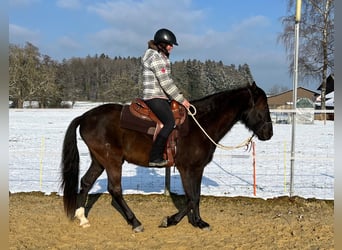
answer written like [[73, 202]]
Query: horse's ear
[[253, 85]]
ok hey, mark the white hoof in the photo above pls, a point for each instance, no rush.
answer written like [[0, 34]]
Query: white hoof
[[138, 229], [163, 223], [85, 224], [79, 214]]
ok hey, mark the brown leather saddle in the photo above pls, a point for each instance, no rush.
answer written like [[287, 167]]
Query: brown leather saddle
[[138, 116]]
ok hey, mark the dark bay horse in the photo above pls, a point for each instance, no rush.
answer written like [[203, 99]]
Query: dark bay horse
[[110, 145]]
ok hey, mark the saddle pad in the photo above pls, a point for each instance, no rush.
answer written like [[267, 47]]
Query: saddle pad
[[129, 121]]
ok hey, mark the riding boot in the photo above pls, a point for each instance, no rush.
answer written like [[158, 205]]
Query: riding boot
[[156, 154]]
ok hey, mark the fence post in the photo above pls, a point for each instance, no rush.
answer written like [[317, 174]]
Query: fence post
[[294, 97], [167, 181], [254, 168]]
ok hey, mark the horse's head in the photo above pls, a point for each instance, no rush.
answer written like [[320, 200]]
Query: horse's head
[[257, 117]]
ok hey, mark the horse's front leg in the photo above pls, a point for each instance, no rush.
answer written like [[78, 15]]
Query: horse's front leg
[[175, 219], [193, 193], [191, 179], [195, 218]]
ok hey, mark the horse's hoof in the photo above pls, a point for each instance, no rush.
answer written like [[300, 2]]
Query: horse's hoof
[[138, 229], [163, 223], [85, 225], [208, 229]]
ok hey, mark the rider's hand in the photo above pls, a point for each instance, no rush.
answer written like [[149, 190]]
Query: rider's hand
[[186, 104]]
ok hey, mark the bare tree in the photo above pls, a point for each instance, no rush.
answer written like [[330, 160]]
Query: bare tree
[[277, 89], [32, 76], [316, 47], [47, 91], [23, 65]]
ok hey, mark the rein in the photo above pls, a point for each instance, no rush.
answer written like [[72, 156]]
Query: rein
[[246, 143]]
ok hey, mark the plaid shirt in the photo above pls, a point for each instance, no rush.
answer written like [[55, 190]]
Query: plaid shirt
[[157, 79]]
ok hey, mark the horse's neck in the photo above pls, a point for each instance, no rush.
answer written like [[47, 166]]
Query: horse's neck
[[223, 114]]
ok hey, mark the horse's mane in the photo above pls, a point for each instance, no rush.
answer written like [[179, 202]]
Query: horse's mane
[[206, 104]]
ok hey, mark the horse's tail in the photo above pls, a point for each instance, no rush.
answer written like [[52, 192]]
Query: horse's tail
[[70, 168]]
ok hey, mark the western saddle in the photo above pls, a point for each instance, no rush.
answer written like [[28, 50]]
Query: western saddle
[[139, 109]]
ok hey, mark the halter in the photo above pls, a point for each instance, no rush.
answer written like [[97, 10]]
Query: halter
[[264, 123]]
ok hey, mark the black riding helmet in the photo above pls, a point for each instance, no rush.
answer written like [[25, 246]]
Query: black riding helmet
[[165, 36]]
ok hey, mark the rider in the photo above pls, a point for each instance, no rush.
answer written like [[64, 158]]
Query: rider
[[159, 89]]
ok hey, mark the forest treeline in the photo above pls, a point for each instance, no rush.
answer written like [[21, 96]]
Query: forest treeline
[[37, 77]]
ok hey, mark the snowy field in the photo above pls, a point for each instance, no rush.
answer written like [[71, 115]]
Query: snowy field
[[36, 136]]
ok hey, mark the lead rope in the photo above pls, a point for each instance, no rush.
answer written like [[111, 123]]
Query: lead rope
[[245, 143]]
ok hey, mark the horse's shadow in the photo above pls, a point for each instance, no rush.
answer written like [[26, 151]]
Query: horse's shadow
[[156, 185]]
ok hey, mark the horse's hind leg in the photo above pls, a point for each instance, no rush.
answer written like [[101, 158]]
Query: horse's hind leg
[[87, 181], [118, 202]]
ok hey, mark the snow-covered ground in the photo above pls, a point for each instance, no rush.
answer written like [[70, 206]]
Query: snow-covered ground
[[36, 136]]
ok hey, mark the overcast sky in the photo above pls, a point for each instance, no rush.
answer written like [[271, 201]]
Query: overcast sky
[[235, 32]]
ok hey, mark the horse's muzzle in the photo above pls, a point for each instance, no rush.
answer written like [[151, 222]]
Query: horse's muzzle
[[265, 132]]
